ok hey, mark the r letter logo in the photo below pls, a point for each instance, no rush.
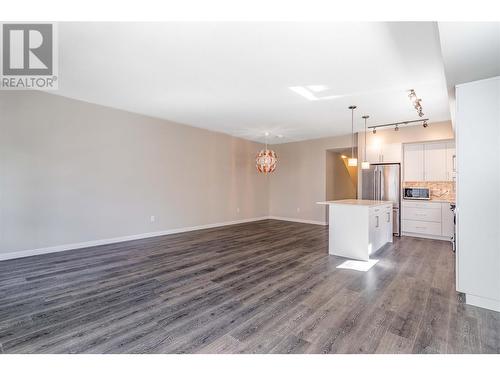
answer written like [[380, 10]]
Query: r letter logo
[[29, 59]]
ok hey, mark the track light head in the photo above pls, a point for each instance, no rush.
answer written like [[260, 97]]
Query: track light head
[[374, 131], [396, 129], [425, 124]]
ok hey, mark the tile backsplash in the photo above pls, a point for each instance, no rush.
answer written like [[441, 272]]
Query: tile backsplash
[[442, 190]]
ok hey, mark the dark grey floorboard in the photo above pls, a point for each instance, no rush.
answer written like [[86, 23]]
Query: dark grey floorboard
[[262, 287]]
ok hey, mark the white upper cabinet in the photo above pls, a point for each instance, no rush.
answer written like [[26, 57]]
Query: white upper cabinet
[[431, 161], [435, 162], [373, 153], [384, 153], [414, 162], [391, 153]]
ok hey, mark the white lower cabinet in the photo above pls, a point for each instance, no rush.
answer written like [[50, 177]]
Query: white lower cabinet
[[358, 228], [428, 219], [423, 214], [380, 226], [447, 221], [422, 227]]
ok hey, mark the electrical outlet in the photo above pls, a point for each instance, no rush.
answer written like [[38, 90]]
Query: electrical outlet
[[298, 209], [152, 219], [237, 209]]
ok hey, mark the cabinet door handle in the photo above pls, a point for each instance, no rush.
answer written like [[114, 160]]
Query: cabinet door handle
[[454, 158], [377, 222], [388, 217]]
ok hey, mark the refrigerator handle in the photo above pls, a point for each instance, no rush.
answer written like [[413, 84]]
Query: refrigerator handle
[[375, 184], [379, 185]]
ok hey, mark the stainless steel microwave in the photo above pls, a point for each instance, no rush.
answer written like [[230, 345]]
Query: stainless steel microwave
[[416, 193]]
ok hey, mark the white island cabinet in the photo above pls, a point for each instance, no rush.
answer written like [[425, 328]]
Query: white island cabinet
[[358, 227]]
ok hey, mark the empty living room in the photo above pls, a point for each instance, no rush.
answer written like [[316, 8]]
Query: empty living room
[[215, 180]]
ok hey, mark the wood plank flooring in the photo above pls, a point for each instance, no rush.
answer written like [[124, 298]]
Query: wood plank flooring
[[262, 287]]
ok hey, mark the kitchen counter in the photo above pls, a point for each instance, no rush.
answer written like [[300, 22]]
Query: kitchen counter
[[430, 200], [358, 227], [357, 202]]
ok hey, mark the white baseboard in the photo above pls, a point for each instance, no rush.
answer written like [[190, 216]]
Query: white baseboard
[[106, 241], [315, 222], [485, 303]]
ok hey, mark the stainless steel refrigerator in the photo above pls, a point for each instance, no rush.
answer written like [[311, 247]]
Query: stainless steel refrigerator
[[383, 182]]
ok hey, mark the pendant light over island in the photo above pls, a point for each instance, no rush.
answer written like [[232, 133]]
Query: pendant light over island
[[365, 164], [352, 161]]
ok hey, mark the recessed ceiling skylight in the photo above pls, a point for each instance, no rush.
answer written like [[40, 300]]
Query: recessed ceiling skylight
[[317, 88], [311, 92]]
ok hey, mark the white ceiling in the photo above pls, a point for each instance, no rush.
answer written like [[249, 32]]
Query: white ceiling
[[235, 77], [471, 51]]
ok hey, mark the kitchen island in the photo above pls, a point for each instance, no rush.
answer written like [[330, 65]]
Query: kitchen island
[[358, 227]]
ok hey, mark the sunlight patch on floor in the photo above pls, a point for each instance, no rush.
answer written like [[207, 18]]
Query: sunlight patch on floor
[[358, 265]]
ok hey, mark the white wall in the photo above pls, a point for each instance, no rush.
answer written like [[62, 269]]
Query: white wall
[[72, 172], [478, 188], [341, 180], [300, 179]]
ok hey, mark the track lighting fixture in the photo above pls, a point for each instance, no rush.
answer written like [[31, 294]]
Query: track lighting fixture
[[416, 102], [396, 125]]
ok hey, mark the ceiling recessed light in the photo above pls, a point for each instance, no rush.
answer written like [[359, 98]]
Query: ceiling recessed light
[[280, 135]]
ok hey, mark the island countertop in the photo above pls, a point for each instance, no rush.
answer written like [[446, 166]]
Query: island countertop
[[357, 202]]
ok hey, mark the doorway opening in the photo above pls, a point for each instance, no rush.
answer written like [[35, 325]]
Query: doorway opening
[[341, 179]]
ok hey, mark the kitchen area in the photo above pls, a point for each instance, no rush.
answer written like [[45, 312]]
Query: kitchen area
[[415, 168], [406, 187]]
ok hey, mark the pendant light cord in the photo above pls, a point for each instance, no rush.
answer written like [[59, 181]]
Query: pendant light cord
[[365, 137], [352, 133]]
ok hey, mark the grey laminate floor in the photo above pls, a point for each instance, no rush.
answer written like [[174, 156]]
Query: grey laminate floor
[[263, 287]]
